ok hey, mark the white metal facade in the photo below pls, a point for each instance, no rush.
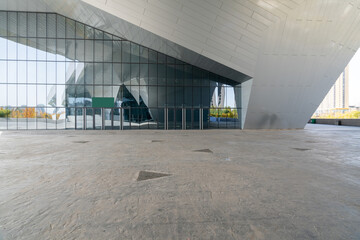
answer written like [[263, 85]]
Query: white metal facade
[[293, 50]]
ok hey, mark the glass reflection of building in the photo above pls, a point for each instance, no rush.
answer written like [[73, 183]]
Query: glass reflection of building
[[53, 67]]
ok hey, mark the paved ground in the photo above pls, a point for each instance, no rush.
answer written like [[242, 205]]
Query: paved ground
[[299, 184]]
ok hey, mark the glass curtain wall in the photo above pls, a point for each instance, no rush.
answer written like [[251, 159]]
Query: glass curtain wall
[[52, 67]]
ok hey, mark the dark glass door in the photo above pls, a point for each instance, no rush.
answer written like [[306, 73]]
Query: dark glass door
[[171, 118], [196, 118], [178, 118]]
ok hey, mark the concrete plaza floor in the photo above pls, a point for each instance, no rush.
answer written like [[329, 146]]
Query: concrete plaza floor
[[291, 184]]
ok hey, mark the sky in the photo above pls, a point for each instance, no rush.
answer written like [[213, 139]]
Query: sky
[[354, 80]]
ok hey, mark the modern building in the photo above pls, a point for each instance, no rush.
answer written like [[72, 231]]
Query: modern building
[[338, 96], [122, 64]]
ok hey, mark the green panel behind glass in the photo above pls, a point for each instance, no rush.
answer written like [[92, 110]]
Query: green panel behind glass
[[103, 102]]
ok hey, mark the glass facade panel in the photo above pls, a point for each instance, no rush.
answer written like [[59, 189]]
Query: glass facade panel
[[125, 51], [3, 95], [12, 118], [11, 72], [99, 73], [50, 118], [60, 95], [60, 73], [22, 26], [60, 26], [98, 34], [41, 95], [98, 122], [116, 74], [153, 74], [31, 49], [161, 58], [3, 48], [89, 32], [144, 55], [89, 73], [144, 74], [108, 73], [125, 72], [108, 51], [41, 25], [70, 72], [80, 30], [31, 118], [108, 116], [98, 91], [51, 95], [12, 95], [12, 48], [51, 73], [116, 51], [99, 51], [51, 26], [53, 66], [12, 23], [152, 56], [31, 24], [179, 96], [31, 100], [60, 50], [22, 49], [60, 118], [89, 118], [135, 71], [79, 118], [3, 24], [51, 49], [3, 118], [22, 72], [80, 50], [70, 118], [41, 72], [40, 49], [3, 70], [135, 53], [70, 49], [22, 95], [89, 50], [161, 74], [70, 28]]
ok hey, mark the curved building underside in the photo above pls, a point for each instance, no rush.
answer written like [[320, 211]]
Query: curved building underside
[[286, 54]]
